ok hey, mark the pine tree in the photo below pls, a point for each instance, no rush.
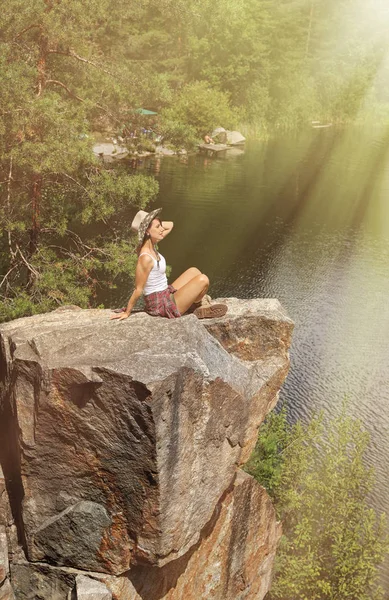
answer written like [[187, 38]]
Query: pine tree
[[59, 81]]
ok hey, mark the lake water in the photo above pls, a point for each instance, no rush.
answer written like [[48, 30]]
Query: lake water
[[305, 219]]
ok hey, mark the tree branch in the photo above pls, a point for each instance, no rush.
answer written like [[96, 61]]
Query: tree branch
[[107, 112], [81, 59], [65, 87], [78, 242], [7, 275], [29, 267], [74, 181], [18, 35]]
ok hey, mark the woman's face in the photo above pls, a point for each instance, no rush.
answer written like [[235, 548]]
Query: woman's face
[[156, 230]]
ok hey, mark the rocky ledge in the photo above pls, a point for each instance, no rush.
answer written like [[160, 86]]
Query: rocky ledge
[[121, 444]]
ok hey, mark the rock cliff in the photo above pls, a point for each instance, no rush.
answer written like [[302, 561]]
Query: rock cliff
[[121, 444]]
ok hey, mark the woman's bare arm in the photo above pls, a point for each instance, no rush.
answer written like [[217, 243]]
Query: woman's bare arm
[[168, 226], [143, 268]]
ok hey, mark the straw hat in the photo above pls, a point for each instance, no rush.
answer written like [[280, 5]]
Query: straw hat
[[142, 220]]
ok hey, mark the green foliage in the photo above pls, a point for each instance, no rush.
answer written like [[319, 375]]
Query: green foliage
[[64, 216], [333, 543], [67, 267], [199, 108], [266, 462], [230, 47], [110, 193], [179, 135]]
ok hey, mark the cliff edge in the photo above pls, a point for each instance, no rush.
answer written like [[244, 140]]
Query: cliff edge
[[121, 444]]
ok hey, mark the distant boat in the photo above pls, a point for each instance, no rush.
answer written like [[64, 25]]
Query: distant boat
[[145, 111], [318, 125]]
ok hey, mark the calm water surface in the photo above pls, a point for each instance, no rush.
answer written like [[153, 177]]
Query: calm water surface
[[304, 219]]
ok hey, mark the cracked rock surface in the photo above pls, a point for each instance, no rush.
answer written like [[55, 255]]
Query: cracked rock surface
[[122, 447]]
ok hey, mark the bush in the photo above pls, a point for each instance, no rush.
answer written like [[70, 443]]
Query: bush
[[333, 542], [199, 108], [179, 135]]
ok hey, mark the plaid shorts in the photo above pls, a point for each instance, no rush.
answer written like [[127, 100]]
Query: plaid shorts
[[161, 304]]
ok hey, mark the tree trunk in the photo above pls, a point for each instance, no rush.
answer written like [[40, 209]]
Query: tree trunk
[[36, 189], [41, 66], [36, 193]]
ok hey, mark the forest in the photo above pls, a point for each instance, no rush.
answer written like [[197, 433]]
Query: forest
[[72, 68]]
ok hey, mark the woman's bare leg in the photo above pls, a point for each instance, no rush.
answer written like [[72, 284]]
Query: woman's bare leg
[[191, 292], [185, 277]]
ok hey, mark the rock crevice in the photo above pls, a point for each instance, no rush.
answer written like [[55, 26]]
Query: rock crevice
[[122, 448]]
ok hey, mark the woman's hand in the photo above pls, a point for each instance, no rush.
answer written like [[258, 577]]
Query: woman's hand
[[120, 316], [143, 268], [167, 227]]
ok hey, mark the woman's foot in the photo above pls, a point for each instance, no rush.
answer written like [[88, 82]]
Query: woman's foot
[[205, 301], [210, 311]]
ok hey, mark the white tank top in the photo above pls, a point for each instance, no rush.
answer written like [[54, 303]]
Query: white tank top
[[157, 280]]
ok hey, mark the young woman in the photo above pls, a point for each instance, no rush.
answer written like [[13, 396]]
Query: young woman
[[187, 292]]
